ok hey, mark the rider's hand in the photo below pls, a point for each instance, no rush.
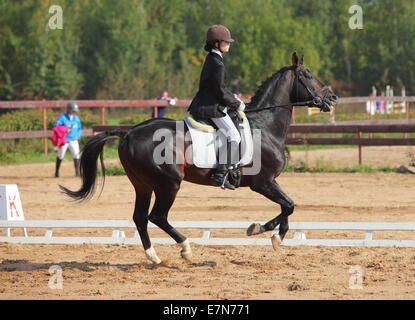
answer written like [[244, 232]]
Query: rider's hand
[[241, 106]]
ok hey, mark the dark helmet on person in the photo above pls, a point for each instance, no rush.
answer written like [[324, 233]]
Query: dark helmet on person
[[72, 106], [218, 32]]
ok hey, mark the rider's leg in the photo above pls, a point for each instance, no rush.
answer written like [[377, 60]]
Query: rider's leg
[[233, 138]]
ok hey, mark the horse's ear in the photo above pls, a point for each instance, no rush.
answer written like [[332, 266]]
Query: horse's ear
[[294, 59], [301, 62]]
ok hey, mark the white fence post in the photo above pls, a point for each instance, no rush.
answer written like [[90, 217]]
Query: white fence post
[[369, 235], [206, 234]]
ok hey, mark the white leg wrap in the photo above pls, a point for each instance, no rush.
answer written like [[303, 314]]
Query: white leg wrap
[[186, 251], [152, 255], [276, 241]]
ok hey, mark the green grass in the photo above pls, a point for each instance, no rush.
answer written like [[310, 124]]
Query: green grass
[[332, 169], [113, 171], [302, 117], [28, 157], [114, 121], [317, 147]]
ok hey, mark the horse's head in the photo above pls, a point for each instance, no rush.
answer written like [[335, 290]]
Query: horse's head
[[306, 88]]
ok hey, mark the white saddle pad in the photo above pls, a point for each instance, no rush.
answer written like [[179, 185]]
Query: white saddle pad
[[205, 143]]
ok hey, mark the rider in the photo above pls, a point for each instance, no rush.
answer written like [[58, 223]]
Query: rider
[[214, 100], [70, 120]]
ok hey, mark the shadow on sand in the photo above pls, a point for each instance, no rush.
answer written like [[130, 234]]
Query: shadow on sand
[[24, 265]]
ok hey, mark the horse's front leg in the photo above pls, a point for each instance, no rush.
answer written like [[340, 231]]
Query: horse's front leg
[[273, 191]]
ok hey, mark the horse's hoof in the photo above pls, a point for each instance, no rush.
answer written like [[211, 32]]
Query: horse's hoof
[[186, 251], [253, 229], [155, 260], [276, 241], [187, 256], [152, 255]]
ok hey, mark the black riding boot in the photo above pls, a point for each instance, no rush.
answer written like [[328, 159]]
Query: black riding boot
[[57, 166], [220, 177], [76, 165], [234, 176]]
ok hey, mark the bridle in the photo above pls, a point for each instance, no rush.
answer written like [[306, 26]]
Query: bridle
[[318, 100]]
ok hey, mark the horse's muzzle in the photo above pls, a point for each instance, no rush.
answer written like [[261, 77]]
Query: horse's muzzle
[[328, 102]]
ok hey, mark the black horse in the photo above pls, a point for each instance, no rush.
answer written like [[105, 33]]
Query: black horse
[[270, 111]]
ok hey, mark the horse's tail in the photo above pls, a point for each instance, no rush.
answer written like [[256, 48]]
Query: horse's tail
[[88, 165]]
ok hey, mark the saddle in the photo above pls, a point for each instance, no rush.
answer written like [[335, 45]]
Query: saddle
[[206, 143], [206, 124]]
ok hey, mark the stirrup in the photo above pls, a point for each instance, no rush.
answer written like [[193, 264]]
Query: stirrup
[[226, 184], [222, 181]]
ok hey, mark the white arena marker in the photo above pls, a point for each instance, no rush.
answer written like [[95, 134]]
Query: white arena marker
[[10, 205]]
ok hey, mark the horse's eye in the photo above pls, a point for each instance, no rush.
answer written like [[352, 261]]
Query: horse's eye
[[308, 75]]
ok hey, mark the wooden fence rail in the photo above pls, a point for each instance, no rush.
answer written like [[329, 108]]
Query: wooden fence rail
[[333, 128], [35, 134]]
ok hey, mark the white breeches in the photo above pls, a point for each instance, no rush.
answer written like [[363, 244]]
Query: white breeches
[[228, 127], [73, 147]]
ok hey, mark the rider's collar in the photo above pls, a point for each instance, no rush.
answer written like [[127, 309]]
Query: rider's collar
[[217, 51]]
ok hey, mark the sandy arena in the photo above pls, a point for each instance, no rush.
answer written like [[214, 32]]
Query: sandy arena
[[235, 272]]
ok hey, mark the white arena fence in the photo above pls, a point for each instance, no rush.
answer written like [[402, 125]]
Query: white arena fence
[[118, 236]]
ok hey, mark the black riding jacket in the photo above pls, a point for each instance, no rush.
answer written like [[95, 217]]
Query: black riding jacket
[[213, 96]]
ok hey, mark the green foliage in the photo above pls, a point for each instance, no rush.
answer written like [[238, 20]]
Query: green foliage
[[36, 62], [134, 49], [26, 120], [32, 119]]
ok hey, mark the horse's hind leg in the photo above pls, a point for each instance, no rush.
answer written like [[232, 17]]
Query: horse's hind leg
[[273, 191], [165, 197], [140, 217]]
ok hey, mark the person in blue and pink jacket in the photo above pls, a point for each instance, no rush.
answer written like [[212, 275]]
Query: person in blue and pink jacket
[[70, 120]]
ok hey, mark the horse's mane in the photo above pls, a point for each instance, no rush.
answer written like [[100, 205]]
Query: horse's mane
[[262, 94]]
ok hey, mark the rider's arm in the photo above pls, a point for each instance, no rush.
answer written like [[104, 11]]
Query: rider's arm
[[217, 82]]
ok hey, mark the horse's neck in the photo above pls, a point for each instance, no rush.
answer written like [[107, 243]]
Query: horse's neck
[[276, 121], [281, 121]]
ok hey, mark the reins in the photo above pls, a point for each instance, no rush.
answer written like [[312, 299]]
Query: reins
[[298, 104]]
